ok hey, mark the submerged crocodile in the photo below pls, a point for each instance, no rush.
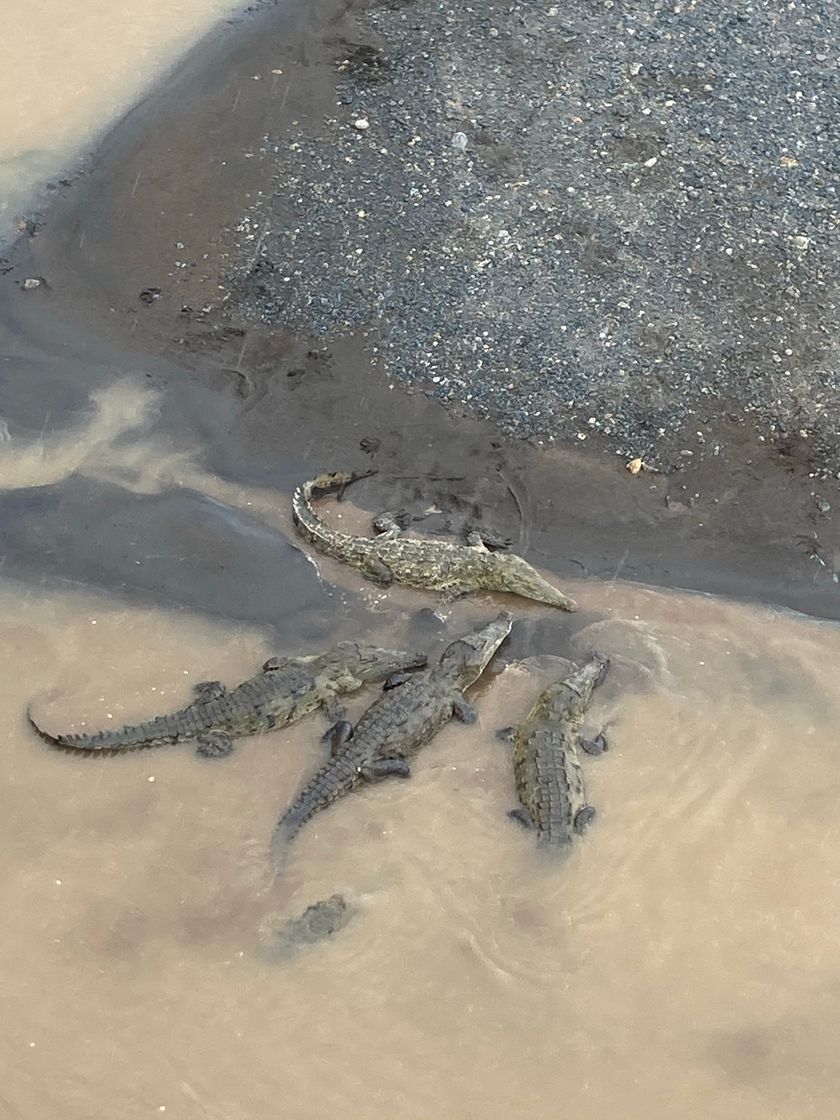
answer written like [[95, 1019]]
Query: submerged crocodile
[[434, 565], [287, 689], [405, 717], [319, 922], [549, 780]]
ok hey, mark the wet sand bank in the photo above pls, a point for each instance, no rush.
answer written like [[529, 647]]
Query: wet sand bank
[[266, 405]]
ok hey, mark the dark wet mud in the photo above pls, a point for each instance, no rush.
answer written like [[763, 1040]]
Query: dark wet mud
[[136, 261]]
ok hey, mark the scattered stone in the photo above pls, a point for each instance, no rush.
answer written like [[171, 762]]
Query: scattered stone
[[664, 253], [149, 295], [31, 282], [635, 466], [823, 506]]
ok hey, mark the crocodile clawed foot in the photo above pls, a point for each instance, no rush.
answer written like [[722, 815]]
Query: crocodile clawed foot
[[477, 535], [385, 768], [216, 744], [338, 735], [584, 818], [521, 817], [463, 711], [209, 690], [333, 709], [505, 734], [392, 521], [595, 746], [395, 680], [273, 664]]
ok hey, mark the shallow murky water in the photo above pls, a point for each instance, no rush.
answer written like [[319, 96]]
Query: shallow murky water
[[69, 70], [681, 963]]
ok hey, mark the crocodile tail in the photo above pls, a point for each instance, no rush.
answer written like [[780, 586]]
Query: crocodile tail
[[332, 781], [153, 733], [328, 482]]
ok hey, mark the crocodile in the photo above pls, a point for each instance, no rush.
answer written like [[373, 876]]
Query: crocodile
[[287, 689], [546, 763], [403, 719], [319, 922], [453, 568]]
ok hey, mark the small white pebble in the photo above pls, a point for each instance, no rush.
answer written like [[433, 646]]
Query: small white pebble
[[276, 70], [362, 124], [151, 777], [58, 882], [32, 1044]]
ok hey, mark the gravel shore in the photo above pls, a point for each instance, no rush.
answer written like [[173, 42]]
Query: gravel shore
[[612, 219]]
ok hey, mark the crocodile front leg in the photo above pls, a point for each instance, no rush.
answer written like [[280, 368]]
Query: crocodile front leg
[[395, 680], [209, 690], [521, 817], [215, 744], [338, 736], [333, 708], [391, 524], [463, 711]]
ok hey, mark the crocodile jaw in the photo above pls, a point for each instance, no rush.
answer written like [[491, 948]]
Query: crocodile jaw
[[372, 663], [516, 576]]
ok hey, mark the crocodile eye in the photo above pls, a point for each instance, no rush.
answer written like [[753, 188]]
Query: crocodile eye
[[272, 663]]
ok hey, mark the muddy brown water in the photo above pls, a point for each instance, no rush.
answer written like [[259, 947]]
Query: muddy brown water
[[69, 70], [681, 963]]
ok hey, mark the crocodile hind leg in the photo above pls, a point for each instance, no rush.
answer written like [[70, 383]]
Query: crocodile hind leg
[[385, 768], [377, 571], [584, 818], [521, 817], [215, 744], [209, 690]]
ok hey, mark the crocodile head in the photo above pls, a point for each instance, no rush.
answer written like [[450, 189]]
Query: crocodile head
[[554, 702], [516, 576], [466, 659], [372, 663]]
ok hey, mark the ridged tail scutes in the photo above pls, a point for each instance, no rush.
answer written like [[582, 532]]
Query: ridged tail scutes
[[328, 482], [105, 742]]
